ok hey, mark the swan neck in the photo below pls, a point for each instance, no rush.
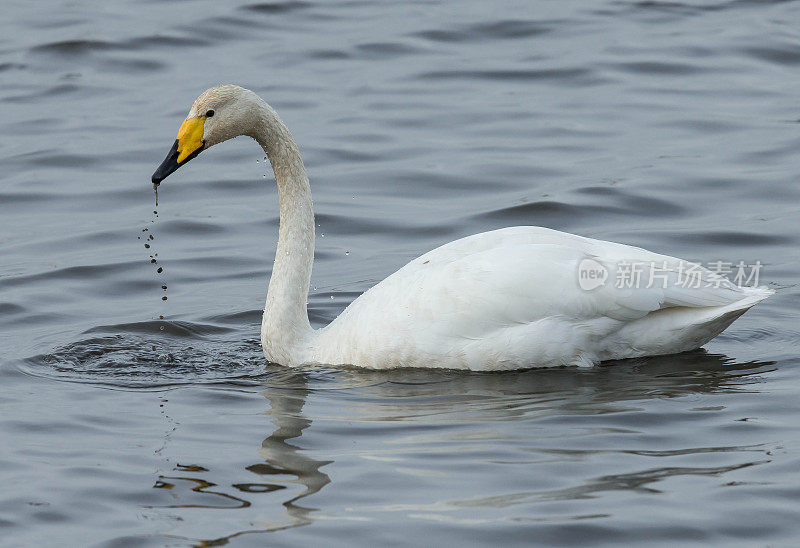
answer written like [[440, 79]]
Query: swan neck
[[285, 322]]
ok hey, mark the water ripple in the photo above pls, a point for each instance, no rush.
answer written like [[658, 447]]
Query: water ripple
[[575, 76], [277, 7], [505, 29]]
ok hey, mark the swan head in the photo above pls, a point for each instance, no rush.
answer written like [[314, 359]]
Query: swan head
[[218, 114]]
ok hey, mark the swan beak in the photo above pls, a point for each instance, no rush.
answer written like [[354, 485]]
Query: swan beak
[[188, 144]]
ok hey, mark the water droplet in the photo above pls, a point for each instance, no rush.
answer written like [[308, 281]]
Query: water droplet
[[164, 298], [347, 252], [161, 328], [147, 246], [322, 235], [164, 287], [331, 297]]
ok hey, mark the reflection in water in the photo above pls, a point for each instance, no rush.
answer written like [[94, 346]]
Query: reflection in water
[[282, 458], [419, 395], [445, 413], [202, 487], [583, 420]]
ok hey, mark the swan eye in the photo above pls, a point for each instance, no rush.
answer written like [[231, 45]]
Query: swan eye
[[210, 113]]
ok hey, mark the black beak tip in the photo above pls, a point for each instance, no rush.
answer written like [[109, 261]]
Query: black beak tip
[[170, 163]]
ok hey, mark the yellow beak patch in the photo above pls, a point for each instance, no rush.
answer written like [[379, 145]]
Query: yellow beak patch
[[190, 137]]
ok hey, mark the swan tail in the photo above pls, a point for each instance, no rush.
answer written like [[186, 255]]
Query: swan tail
[[680, 329]]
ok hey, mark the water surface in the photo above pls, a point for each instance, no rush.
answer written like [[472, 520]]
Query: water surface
[[129, 420]]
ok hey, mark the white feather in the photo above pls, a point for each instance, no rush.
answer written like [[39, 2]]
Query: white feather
[[510, 298]]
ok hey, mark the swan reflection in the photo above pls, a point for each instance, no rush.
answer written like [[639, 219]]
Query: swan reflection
[[283, 470], [529, 422], [282, 458]]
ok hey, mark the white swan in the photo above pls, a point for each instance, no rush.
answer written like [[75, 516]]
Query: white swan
[[506, 299]]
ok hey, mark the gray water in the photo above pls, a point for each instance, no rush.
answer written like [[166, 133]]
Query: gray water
[[669, 125]]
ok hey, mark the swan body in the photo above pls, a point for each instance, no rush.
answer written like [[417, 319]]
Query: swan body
[[499, 300], [510, 298]]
